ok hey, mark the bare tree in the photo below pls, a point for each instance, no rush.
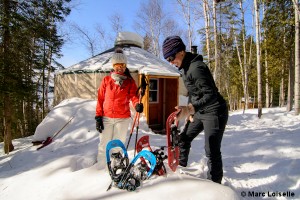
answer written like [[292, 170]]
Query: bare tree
[[105, 40], [244, 64], [151, 20], [116, 22], [216, 70], [171, 28], [267, 86], [207, 29], [185, 6], [88, 40], [259, 82], [297, 60], [117, 25]]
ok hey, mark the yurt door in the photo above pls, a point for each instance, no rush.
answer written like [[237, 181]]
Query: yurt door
[[155, 103], [163, 97]]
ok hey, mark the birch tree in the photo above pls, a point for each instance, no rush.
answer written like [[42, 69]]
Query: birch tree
[[150, 20], [297, 59], [185, 6], [86, 38], [117, 22], [216, 70], [259, 79], [244, 63], [207, 30], [267, 85]]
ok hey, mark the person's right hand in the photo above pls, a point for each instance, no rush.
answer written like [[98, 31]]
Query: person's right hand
[[185, 112]]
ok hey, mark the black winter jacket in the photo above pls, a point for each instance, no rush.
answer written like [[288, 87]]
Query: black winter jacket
[[202, 90]]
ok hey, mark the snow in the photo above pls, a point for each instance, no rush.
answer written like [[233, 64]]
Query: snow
[[261, 160], [124, 38]]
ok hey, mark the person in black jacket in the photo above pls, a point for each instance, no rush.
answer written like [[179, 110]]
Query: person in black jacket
[[208, 108]]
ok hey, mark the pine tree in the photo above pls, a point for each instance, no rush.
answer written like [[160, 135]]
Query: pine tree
[[30, 40]]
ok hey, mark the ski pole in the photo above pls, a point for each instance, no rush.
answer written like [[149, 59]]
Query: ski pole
[[137, 132], [141, 91], [50, 139], [132, 128]]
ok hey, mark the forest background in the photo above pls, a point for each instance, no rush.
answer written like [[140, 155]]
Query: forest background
[[254, 66]]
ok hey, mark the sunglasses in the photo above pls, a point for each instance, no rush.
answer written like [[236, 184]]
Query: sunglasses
[[120, 65], [171, 58]]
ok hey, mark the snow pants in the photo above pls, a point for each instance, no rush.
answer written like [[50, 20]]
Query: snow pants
[[213, 124], [114, 128]]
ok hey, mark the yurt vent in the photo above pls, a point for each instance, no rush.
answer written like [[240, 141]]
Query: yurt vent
[[129, 39]]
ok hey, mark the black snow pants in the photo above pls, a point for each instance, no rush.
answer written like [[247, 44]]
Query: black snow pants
[[213, 124]]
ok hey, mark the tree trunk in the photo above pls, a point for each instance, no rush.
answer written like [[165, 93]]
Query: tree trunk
[[259, 83], [186, 7], [7, 68], [281, 92], [245, 88], [297, 61], [267, 80], [216, 71], [291, 85], [271, 96], [242, 71], [207, 31]]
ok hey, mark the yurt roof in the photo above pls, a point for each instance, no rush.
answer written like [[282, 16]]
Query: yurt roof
[[138, 60]]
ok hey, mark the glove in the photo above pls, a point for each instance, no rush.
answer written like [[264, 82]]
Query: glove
[[139, 107], [99, 124]]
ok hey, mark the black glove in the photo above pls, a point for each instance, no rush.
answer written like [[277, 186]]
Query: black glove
[[139, 107], [99, 124]]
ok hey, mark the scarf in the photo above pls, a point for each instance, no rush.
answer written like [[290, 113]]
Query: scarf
[[118, 78]]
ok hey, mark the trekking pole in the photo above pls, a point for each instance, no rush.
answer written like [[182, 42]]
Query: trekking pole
[[141, 90], [135, 116], [137, 126], [137, 132]]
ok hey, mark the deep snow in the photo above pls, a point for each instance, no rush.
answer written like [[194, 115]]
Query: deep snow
[[261, 160]]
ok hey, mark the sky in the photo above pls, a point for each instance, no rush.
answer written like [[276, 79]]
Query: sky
[[88, 13], [261, 159]]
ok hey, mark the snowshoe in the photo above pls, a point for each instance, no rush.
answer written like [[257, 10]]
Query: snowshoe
[[117, 162], [137, 171], [144, 143]]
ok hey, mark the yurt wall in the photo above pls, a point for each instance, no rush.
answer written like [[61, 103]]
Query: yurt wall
[[83, 85]]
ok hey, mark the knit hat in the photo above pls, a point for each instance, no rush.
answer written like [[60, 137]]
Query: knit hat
[[172, 45], [119, 57]]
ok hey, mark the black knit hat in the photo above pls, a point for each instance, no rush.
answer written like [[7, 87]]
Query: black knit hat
[[172, 45]]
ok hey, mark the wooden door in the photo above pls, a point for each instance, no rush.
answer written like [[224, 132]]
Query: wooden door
[[155, 103], [163, 97]]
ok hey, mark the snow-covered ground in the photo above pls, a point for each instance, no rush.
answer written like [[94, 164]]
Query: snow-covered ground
[[261, 160]]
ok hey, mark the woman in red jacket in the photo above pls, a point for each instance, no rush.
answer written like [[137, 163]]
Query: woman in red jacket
[[113, 111]]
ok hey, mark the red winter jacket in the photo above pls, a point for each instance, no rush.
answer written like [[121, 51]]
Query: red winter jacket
[[113, 100]]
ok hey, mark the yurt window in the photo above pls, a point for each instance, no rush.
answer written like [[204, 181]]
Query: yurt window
[[153, 91]]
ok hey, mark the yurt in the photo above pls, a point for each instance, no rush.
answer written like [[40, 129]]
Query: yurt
[[164, 85]]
